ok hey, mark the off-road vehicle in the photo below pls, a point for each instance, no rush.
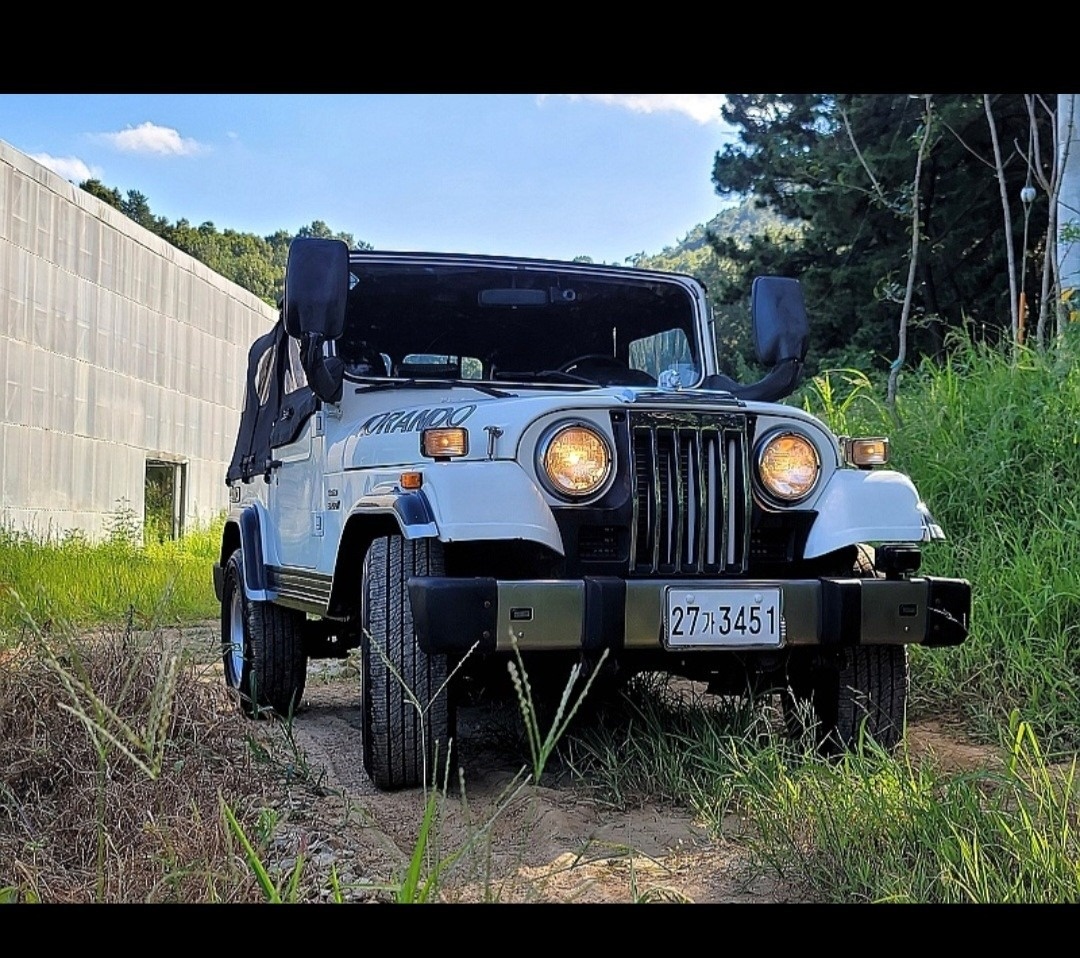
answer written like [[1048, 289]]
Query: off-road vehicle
[[447, 461]]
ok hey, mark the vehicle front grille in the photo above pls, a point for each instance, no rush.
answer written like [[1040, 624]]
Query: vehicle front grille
[[691, 493]]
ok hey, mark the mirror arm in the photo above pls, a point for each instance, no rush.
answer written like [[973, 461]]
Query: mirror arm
[[780, 382], [325, 374]]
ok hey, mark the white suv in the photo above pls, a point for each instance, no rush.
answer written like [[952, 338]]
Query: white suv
[[449, 460]]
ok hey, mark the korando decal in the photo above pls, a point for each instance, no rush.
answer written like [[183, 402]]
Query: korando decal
[[413, 420]]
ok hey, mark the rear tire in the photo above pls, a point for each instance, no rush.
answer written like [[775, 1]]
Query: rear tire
[[406, 743], [262, 648], [850, 694]]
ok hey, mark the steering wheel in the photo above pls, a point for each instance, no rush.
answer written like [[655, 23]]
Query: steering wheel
[[592, 359]]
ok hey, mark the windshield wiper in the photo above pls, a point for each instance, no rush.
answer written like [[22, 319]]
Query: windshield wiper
[[431, 384], [548, 375]]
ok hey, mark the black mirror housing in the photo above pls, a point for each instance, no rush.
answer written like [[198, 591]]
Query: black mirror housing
[[316, 287], [781, 327], [781, 337]]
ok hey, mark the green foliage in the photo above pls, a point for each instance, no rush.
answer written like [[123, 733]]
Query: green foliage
[[844, 405], [67, 579], [867, 827], [274, 892], [992, 443], [841, 165], [873, 828], [671, 743], [256, 263]]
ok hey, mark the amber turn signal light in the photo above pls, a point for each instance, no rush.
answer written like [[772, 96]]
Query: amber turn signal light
[[444, 443]]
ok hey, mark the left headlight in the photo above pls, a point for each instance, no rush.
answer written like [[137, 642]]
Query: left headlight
[[788, 466], [574, 461]]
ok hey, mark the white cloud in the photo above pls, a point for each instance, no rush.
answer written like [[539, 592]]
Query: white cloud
[[71, 168], [151, 138], [701, 107]]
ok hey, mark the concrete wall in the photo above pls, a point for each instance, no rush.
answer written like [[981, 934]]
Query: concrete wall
[[115, 349]]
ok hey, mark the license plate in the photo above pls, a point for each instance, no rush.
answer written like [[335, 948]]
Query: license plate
[[709, 618]]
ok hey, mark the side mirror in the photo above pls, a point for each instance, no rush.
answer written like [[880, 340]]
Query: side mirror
[[781, 337], [316, 287], [781, 329], [313, 307]]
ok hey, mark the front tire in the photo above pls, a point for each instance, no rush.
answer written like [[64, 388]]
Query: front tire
[[855, 694], [408, 717], [262, 648], [849, 695]]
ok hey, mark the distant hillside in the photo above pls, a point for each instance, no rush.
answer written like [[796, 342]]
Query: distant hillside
[[693, 251], [695, 256]]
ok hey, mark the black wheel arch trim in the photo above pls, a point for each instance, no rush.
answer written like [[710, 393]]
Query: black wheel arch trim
[[413, 509], [408, 513], [256, 587]]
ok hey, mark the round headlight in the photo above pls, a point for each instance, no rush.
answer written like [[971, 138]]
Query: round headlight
[[788, 466], [576, 461]]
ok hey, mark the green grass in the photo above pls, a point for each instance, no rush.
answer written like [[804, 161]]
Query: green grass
[[992, 443], [75, 582], [867, 827]]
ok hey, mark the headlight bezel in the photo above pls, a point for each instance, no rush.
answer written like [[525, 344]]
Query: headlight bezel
[[770, 494], [543, 447]]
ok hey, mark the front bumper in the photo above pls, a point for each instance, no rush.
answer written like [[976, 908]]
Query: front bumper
[[452, 615]]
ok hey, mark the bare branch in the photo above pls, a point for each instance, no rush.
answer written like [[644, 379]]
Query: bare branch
[[916, 230], [877, 190]]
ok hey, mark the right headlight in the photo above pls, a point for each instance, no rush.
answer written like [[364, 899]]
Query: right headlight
[[788, 466], [574, 460]]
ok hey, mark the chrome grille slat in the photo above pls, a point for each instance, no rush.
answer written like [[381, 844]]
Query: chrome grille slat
[[690, 493], [732, 505]]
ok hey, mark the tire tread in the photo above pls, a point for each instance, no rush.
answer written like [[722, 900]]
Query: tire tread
[[400, 746]]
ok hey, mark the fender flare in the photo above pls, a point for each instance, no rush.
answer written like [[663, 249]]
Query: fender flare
[[256, 587], [491, 500], [878, 505], [414, 515], [406, 512]]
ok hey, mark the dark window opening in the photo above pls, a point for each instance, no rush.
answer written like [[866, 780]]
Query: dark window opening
[[164, 500]]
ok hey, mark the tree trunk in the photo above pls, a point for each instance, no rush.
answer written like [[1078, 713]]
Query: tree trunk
[[999, 166]]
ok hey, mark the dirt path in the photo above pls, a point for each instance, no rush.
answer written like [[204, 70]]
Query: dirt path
[[511, 842], [519, 842]]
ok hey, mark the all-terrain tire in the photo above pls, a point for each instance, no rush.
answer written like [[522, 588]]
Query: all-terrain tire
[[408, 714], [850, 695], [262, 648]]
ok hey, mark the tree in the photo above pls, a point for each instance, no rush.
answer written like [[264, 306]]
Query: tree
[[253, 262], [796, 154], [320, 230], [103, 193]]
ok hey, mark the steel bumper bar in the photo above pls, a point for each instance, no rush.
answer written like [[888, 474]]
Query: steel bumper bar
[[451, 615]]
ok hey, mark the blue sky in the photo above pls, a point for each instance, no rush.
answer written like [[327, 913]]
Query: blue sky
[[550, 175]]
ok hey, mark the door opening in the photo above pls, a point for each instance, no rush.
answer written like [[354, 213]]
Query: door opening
[[164, 500]]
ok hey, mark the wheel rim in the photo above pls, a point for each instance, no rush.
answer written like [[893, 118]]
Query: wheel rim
[[234, 654]]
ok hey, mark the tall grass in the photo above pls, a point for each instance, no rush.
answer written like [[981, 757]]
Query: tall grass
[[992, 442], [114, 758], [877, 828], [868, 827], [67, 579]]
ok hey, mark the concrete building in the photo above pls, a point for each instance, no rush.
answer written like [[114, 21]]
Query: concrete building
[[122, 363]]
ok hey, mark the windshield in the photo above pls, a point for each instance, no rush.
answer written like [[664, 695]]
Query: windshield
[[514, 324]]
